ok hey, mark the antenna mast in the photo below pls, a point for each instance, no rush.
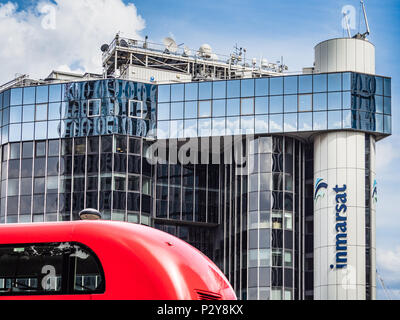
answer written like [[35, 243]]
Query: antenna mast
[[347, 24], [365, 18]]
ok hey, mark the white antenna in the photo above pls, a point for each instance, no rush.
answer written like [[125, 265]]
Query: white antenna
[[347, 24], [170, 45], [365, 18]]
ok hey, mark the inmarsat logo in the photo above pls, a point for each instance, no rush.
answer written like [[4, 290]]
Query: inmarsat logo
[[320, 187], [375, 192]]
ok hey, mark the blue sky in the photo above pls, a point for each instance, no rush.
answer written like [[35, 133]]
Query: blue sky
[[291, 29]]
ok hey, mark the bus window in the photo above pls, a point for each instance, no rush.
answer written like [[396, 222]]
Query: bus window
[[52, 268]]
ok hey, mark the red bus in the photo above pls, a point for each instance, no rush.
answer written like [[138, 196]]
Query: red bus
[[92, 260]]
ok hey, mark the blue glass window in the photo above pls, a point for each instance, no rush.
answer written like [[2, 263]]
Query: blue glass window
[[346, 100], [218, 127], [190, 128], [28, 113], [164, 93], [53, 127], [16, 96], [232, 125], [276, 123], [233, 88], [387, 105], [6, 99], [247, 88], [205, 109], [55, 93], [219, 89], [262, 86], [346, 118], [379, 85], [276, 104], [379, 122], [41, 112], [305, 121], [261, 105], [94, 108], [290, 103], [176, 129], [290, 85], [15, 114], [191, 91], [205, 90], [320, 120], [6, 116], [387, 124], [27, 131], [247, 125], [334, 120], [42, 94], [4, 134], [387, 87], [163, 111], [276, 85], [334, 82], [248, 106], [15, 132], [379, 104], [54, 110], [41, 130], [320, 83], [305, 102], [346, 78], [29, 95], [204, 127], [163, 129], [261, 124], [305, 84], [191, 109], [290, 122], [233, 107], [219, 108], [177, 92], [334, 101], [177, 110]]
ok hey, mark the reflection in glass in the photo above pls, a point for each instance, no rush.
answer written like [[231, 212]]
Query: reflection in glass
[[290, 103], [320, 120], [247, 88], [276, 122], [219, 89], [262, 86], [55, 93], [247, 125], [334, 120], [379, 104], [163, 111], [261, 124], [346, 78], [42, 94], [247, 106], [218, 108], [305, 102], [205, 90], [204, 128], [276, 104], [346, 96], [232, 125], [290, 123], [205, 109], [334, 101], [261, 105], [191, 91], [16, 96], [164, 93], [387, 105], [177, 110], [233, 107], [290, 85], [190, 109], [387, 124], [305, 84], [320, 101], [29, 95], [190, 128], [176, 129], [15, 114], [233, 88], [387, 87], [334, 82], [320, 83], [15, 132], [40, 130], [379, 122], [218, 127], [305, 121], [177, 91], [276, 85], [41, 112], [346, 115]]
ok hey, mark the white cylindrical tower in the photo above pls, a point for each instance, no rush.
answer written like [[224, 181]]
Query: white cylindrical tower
[[345, 54]]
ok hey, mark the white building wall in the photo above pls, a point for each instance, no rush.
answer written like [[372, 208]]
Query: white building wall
[[339, 159]]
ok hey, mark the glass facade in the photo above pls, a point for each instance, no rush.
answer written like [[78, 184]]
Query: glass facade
[[66, 147]]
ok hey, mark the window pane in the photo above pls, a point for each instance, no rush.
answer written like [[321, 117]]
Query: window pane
[[42, 94], [27, 131], [177, 110], [305, 121], [232, 125], [29, 113], [387, 85], [163, 111], [41, 112], [219, 108], [233, 107], [346, 100], [305, 84], [261, 124], [205, 109], [346, 115], [379, 104], [54, 111], [164, 93], [320, 83], [190, 109], [334, 101], [247, 88], [262, 87], [191, 91], [15, 114], [233, 88], [248, 106], [276, 86], [190, 128], [41, 130], [55, 93], [290, 103], [290, 84], [247, 125], [346, 78], [16, 96], [177, 91], [334, 120], [276, 104], [261, 105], [29, 95], [276, 122], [205, 90], [305, 102], [290, 122], [15, 132], [334, 82], [320, 121], [204, 127], [320, 101], [219, 89], [387, 105], [218, 127]]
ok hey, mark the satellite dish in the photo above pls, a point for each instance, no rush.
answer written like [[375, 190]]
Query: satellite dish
[[90, 214], [186, 52], [213, 57], [104, 48], [170, 45], [205, 50], [123, 43]]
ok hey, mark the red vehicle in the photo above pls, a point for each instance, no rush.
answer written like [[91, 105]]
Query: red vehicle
[[104, 260]]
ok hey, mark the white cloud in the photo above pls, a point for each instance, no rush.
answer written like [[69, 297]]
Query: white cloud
[[389, 260], [67, 35]]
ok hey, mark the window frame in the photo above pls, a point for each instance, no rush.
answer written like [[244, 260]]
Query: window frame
[[88, 108], [141, 109], [67, 275]]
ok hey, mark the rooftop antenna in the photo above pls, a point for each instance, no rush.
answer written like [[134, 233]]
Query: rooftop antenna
[[347, 24], [365, 34]]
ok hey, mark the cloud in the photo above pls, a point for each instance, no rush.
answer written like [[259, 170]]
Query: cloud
[[388, 263], [66, 34]]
